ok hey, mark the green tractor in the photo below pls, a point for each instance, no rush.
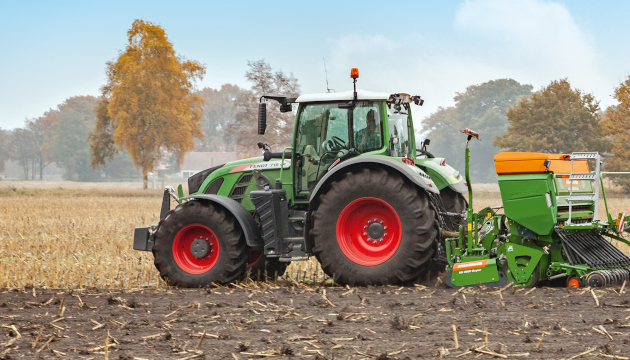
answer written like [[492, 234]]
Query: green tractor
[[549, 229], [352, 190]]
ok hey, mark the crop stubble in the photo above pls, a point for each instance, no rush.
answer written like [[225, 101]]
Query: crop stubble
[[77, 238]]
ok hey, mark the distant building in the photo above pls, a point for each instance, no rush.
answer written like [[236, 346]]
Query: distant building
[[195, 162]]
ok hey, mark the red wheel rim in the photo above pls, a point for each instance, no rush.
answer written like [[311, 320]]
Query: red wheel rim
[[358, 229], [182, 249], [253, 258]]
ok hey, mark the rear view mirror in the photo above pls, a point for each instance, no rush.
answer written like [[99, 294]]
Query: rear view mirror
[[262, 118]]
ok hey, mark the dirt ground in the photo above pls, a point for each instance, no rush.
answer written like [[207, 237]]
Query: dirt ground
[[264, 320]]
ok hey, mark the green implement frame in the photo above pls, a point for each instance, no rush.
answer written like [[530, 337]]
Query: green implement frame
[[533, 240]]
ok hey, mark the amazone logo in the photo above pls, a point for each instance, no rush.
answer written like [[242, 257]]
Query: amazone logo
[[470, 265]]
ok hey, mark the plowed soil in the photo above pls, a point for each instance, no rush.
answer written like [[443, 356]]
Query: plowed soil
[[265, 320]]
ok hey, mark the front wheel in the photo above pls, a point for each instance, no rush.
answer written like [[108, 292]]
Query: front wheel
[[198, 244], [374, 228]]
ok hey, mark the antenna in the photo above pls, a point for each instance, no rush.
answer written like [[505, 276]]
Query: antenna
[[326, 71]]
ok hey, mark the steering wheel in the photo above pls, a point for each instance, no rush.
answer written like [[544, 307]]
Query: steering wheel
[[334, 144]]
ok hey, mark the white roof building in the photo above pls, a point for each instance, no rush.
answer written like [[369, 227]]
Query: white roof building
[[195, 162]]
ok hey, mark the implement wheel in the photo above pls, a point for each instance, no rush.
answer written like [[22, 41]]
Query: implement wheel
[[197, 244], [573, 282], [374, 228]]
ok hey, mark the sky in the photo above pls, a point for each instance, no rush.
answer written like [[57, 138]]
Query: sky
[[50, 51]]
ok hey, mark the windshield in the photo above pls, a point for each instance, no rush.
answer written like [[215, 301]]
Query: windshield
[[322, 137], [399, 130]]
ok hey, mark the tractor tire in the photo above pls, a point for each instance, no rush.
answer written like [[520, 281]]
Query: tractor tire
[[261, 268], [374, 228], [454, 202], [198, 244]]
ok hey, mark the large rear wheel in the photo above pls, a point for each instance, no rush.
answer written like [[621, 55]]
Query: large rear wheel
[[197, 244], [374, 228]]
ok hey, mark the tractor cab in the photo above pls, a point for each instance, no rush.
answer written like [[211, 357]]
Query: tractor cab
[[333, 127], [329, 131]]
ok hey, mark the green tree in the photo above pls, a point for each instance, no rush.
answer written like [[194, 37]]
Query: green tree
[[615, 126], [150, 102], [481, 108], [69, 146], [556, 119], [265, 81], [219, 112], [39, 138], [5, 147], [65, 130], [23, 148]]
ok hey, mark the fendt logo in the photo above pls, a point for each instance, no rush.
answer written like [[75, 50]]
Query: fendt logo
[[270, 165], [470, 265]]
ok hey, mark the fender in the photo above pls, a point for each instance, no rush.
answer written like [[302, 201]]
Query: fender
[[443, 175], [413, 173], [244, 217]]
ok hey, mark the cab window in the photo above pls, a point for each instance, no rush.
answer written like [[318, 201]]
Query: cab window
[[399, 131], [367, 126]]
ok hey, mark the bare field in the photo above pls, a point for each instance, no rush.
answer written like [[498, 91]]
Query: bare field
[[73, 288], [260, 320]]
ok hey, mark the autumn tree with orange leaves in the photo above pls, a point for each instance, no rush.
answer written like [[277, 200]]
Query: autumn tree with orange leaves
[[149, 103], [615, 127]]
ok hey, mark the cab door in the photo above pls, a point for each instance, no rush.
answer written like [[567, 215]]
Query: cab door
[[322, 133]]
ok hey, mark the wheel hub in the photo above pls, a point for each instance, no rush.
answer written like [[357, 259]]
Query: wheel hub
[[375, 231], [200, 248]]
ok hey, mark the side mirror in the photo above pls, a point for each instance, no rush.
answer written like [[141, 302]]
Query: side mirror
[[262, 118], [427, 142]]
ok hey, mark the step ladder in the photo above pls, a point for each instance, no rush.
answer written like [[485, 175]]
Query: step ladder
[[592, 176]]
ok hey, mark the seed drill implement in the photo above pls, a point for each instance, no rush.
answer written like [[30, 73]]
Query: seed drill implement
[[549, 229]]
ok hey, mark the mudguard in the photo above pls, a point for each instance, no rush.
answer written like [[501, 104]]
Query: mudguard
[[244, 217], [413, 173], [443, 175]]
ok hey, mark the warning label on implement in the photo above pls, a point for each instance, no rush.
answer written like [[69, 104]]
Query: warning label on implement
[[470, 265]]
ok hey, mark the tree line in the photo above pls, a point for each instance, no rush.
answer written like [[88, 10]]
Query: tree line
[[150, 111], [511, 117]]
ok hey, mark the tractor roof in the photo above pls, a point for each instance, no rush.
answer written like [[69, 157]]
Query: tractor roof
[[343, 96]]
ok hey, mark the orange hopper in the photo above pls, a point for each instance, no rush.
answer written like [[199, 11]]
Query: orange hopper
[[510, 163]]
